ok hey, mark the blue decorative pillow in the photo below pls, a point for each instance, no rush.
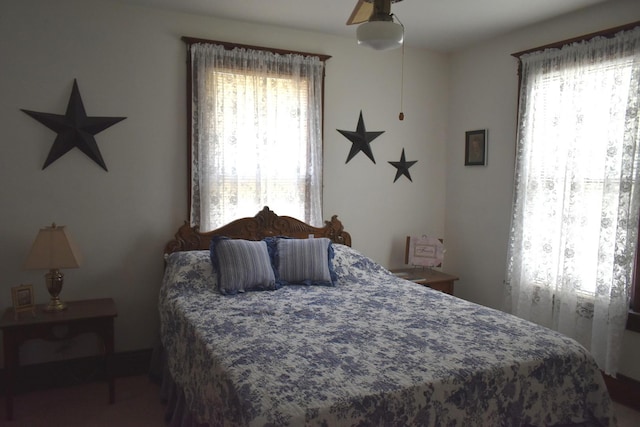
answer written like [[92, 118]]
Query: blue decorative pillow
[[304, 261], [242, 265]]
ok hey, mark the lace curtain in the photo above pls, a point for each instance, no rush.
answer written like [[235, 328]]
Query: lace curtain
[[256, 134], [575, 213]]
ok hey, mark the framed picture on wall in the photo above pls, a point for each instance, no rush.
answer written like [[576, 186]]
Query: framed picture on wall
[[475, 148]]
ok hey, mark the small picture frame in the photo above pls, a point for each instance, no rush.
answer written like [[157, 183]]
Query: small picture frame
[[424, 251], [475, 148], [23, 299]]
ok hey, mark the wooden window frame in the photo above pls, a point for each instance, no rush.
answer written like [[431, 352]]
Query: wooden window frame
[[633, 319], [230, 46]]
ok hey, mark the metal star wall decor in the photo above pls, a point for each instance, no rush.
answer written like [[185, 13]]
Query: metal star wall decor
[[402, 167], [74, 129], [360, 140]]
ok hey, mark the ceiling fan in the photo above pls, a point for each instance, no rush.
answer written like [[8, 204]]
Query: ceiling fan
[[377, 29]]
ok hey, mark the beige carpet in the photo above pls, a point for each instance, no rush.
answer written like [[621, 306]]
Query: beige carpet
[[137, 404]]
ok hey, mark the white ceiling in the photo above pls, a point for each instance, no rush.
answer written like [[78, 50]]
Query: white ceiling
[[442, 25]]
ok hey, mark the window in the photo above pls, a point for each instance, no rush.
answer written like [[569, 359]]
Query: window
[[256, 133], [574, 171], [577, 191]]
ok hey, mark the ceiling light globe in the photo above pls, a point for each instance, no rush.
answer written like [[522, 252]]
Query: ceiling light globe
[[380, 35]]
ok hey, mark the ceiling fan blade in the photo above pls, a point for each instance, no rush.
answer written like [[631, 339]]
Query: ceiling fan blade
[[361, 13]]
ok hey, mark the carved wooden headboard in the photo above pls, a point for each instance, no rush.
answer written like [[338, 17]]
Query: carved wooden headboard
[[266, 223]]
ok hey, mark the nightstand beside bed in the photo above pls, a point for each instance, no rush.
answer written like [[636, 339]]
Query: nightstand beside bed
[[94, 316], [428, 277]]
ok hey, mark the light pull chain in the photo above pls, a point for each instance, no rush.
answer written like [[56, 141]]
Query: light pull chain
[[401, 115]]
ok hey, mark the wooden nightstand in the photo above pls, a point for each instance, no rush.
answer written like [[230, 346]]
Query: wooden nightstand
[[432, 278], [94, 316]]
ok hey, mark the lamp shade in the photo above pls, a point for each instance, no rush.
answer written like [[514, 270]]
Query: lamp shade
[[380, 35], [53, 249]]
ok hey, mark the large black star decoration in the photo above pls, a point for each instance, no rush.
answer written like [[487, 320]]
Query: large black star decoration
[[74, 129], [360, 140], [403, 167]]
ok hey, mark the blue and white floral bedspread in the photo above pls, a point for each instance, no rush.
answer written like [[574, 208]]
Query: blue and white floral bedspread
[[375, 350]]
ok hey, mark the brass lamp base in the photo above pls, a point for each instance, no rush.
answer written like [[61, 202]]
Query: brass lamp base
[[54, 280], [55, 305]]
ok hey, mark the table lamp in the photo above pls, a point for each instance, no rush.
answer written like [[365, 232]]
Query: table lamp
[[53, 249]]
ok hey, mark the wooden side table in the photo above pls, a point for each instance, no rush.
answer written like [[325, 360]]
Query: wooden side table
[[87, 316], [432, 278]]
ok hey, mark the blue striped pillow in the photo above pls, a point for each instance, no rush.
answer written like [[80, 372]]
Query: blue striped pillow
[[241, 265], [304, 261]]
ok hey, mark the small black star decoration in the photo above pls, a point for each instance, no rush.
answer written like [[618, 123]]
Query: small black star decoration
[[403, 167], [360, 140], [74, 129]]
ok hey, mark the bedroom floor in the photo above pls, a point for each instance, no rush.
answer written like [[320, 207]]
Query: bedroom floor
[[136, 405]]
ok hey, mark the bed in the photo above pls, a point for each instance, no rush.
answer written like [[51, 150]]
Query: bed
[[366, 348]]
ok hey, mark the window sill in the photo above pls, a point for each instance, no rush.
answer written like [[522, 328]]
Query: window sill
[[633, 321]]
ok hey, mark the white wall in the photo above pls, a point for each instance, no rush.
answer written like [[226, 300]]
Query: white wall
[[129, 61], [484, 86]]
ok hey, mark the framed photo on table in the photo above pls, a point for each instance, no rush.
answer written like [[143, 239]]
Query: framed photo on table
[[23, 299], [424, 251], [475, 148]]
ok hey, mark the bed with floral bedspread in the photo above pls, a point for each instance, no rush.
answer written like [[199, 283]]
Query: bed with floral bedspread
[[373, 350]]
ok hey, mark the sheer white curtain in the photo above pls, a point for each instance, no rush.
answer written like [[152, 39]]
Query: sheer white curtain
[[256, 134], [576, 200]]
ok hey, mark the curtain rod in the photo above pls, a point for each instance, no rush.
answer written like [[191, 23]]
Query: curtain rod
[[608, 33], [230, 46]]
